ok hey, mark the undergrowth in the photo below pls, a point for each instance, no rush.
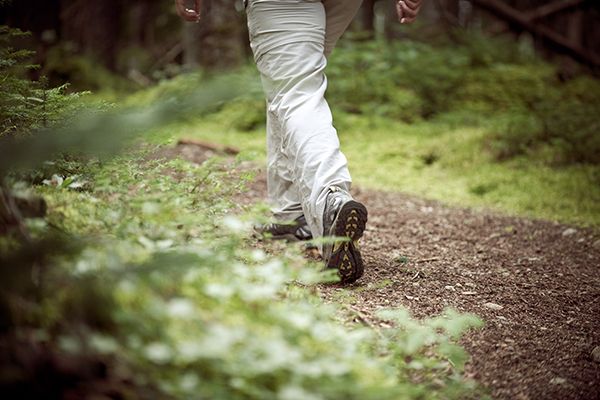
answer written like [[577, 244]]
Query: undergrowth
[[26, 105], [481, 122], [489, 79], [139, 279], [158, 281]]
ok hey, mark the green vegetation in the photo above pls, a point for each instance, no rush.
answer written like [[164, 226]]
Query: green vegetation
[[26, 105], [445, 162], [143, 272], [444, 159], [141, 280], [156, 272], [480, 124], [175, 293]]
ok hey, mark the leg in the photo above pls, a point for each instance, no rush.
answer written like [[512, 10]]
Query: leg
[[287, 38], [339, 15], [282, 193]]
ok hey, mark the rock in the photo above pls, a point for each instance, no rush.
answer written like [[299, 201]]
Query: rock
[[569, 232], [558, 381], [493, 306], [596, 354], [597, 244]]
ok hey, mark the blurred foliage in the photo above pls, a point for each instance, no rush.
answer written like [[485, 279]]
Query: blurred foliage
[[244, 114], [62, 64], [141, 284], [104, 133], [155, 281], [478, 75]]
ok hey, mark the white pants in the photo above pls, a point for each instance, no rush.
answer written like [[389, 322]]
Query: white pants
[[290, 40]]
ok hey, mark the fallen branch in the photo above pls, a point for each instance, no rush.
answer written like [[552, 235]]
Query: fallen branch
[[428, 259], [551, 8], [521, 19], [209, 146], [363, 318]]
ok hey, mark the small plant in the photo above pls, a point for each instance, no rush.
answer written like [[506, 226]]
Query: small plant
[[169, 292], [26, 105], [402, 259]]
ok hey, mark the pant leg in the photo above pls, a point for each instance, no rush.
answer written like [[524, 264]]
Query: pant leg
[[339, 15], [284, 199], [288, 39]]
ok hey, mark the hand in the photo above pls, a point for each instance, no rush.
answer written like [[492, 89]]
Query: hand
[[189, 14], [407, 10]]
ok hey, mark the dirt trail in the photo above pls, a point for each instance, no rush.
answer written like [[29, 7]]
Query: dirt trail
[[542, 278], [536, 284]]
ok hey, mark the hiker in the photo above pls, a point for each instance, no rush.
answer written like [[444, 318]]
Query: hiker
[[308, 181]]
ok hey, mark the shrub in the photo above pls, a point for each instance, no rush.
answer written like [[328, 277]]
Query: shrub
[[244, 113], [490, 82], [435, 75], [506, 87], [354, 72], [514, 133], [83, 72], [26, 105], [561, 125]]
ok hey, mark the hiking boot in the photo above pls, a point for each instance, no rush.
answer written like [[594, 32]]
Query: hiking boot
[[344, 218], [292, 231]]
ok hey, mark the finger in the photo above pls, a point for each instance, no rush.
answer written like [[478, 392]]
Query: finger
[[407, 20], [413, 4], [198, 4], [191, 15], [186, 13], [399, 11], [408, 12]]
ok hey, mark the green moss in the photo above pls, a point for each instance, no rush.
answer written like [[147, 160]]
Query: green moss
[[439, 160]]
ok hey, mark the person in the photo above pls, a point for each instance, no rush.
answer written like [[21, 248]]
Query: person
[[308, 181]]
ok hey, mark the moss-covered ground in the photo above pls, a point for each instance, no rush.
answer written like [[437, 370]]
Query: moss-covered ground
[[437, 159]]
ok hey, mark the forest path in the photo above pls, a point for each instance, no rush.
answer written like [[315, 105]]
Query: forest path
[[535, 283]]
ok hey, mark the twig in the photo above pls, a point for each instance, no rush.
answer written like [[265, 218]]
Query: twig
[[209, 146], [363, 318], [429, 259]]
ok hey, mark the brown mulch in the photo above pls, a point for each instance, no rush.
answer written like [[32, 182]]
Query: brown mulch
[[545, 276], [536, 284]]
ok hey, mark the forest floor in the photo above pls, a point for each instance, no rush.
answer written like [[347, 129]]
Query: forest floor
[[536, 285]]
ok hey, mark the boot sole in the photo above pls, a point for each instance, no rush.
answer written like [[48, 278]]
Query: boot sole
[[345, 257]]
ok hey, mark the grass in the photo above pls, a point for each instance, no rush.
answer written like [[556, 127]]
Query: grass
[[439, 160]]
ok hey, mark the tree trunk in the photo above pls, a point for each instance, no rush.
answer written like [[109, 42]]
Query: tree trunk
[[94, 26], [220, 39], [368, 18]]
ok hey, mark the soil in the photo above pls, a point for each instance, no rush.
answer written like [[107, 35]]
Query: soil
[[536, 284]]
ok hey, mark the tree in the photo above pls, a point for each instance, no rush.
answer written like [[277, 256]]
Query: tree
[[94, 26], [221, 37]]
